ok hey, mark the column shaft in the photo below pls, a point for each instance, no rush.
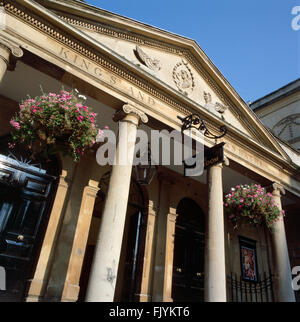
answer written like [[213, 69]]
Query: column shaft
[[283, 274], [215, 272], [104, 268]]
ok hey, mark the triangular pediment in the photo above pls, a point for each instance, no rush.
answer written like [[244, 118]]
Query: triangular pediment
[[175, 62]]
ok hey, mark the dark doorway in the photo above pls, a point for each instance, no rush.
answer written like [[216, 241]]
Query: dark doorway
[[26, 197], [188, 266]]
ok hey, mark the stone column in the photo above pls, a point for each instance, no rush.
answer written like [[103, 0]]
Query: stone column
[[215, 272], [104, 270], [9, 52], [144, 296], [39, 282], [283, 275], [71, 287]]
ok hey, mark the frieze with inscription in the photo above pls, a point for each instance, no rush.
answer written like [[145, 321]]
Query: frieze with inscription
[[105, 76]]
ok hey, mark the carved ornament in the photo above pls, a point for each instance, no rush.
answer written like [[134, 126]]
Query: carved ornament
[[153, 64], [183, 77]]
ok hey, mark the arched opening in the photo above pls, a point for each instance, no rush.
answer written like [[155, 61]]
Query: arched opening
[[27, 190], [188, 265], [128, 280]]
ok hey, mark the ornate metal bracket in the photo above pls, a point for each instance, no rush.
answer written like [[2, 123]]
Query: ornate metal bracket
[[195, 121]]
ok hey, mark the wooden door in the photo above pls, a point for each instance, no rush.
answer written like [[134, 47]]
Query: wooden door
[[25, 197], [188, 263]]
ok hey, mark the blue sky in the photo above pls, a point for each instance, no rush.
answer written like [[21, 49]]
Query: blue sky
[[251, 42]]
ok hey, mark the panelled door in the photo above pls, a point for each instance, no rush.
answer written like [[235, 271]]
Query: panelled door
[[188, 263], [25, 197], [188, 267]]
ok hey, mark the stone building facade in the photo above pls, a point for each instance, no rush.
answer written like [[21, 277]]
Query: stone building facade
[[280, 112], [103, 236]]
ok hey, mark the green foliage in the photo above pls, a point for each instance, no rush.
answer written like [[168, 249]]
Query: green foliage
[[252, 203], [55, 122]]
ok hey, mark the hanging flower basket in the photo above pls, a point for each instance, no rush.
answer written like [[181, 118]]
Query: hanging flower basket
[[54, 123], [251, 203]]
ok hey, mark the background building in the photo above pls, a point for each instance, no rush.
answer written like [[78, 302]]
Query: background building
[[280, 112]]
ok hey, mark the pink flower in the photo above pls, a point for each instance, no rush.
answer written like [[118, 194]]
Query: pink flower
[[78, 105], [15, 124], [100, 132], [106, 127], [64, 92], [231, 216], [92, 119]]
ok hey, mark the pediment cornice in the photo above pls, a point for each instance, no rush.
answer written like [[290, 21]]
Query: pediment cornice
[[64, 31]]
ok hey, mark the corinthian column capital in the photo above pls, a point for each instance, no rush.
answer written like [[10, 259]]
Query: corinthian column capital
[[128, 109]]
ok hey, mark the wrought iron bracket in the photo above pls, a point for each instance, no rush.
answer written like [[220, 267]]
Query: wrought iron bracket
[[194, 121]]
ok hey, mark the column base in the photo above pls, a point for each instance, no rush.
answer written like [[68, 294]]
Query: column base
[[36, 290], [168, 299], [70, 293], [143, 297]]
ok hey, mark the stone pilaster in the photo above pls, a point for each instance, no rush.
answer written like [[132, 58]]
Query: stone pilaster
[[39, 282], [71, 287], [282, 267], [215, 272], [163, 231], [145, 296], [104, 270], [170, 238]]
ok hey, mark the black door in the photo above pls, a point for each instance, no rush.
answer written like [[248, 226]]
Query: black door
[[25, 194], [188, 265]]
